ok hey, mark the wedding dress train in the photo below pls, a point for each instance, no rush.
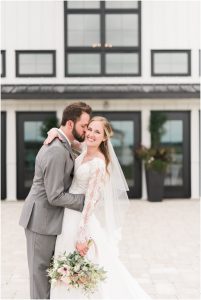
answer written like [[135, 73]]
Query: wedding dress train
[[88, 179]]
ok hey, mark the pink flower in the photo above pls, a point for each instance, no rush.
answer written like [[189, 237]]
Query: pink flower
[[65, 279], [63, 270]]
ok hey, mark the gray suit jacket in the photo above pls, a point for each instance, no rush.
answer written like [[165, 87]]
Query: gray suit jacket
[[44, 206]]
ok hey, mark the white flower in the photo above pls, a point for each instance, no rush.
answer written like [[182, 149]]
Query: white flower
[[76, 268], [53, 281]]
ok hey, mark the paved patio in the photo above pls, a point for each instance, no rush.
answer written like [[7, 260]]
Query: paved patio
[[160, 248]]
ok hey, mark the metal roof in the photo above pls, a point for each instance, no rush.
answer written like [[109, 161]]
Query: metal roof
[[99, 91]]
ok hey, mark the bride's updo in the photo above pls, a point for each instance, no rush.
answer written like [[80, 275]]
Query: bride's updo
[[108, 133]]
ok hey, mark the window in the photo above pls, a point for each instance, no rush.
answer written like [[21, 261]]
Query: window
[[3, 63], [127, 134], [3, 155], [170, 62], [199, 62], [177, 136], [30, 138], [102, 38], [38, 63]]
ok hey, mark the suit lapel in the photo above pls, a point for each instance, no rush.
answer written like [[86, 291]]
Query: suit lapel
[[68, 147]]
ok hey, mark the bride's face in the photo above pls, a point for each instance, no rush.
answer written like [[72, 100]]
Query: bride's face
[[95, 134]]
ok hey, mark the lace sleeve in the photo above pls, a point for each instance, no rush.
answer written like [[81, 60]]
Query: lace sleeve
[[92, 197]]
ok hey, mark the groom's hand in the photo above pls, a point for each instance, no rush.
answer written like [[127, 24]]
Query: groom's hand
[[82, 248]]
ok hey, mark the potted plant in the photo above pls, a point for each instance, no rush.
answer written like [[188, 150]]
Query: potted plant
[[156, 158]]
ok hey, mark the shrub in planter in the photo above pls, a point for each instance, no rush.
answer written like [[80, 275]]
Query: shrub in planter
[[156, 162], [156, 158]]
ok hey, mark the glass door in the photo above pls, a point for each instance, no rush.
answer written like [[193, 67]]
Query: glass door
[[177, 136], [126, 128], [29, 141], [3, 155]]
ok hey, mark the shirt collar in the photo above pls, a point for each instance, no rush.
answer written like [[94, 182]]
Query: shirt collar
[[63, 134]]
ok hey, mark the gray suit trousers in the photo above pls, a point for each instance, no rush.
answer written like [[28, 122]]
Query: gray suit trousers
[[40, 249]]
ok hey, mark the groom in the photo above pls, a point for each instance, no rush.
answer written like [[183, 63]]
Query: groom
[[43, 210]]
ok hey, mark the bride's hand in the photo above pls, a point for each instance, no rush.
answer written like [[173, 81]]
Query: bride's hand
[[82, 248], [52, 134]]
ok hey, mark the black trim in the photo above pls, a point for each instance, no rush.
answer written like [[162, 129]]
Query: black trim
[[17, 70], [187, 51], [3, 66], [3, 156], [183, 191], [120, 91], [22, 117], [102, 50], [135, 191]]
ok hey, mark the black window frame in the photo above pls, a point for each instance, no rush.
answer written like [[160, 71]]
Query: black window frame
[[135, 192], [102, 50], [155, 51], [183, 191], [3, 156], [17, 54], [21, 117], [3, 67]]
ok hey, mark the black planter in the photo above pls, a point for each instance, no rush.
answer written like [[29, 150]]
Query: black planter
[[155, 185]]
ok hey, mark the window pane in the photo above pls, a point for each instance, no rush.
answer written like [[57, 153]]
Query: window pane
[[32, 143], [173, 137], [122, 29], [3, 155], [84, 63], [121, 4], [83, 30], [2, 64], [123, 142], [170, 63], [122, 63], [35, 63], [83, 4]]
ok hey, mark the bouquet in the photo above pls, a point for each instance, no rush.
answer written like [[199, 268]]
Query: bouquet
[[76, 271]]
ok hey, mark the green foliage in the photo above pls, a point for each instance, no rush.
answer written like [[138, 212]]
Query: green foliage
[[156, 157], [48, 124], [156, 129]]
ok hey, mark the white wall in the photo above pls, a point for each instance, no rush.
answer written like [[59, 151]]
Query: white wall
[[29, 25]]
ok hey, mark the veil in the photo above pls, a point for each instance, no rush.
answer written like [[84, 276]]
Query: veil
[[112, 211], [116, 202]]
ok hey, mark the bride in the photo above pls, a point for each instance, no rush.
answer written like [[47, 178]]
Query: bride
[[98, 175]]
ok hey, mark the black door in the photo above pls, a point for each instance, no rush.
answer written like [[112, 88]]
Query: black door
[[177, 135], [3, 155], [126, 127], [29, 141]]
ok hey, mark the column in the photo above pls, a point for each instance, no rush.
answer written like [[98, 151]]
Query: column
[[11, 154], [195, 153]]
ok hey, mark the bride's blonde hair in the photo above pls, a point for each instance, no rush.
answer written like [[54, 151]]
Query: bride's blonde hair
[[108, 132]]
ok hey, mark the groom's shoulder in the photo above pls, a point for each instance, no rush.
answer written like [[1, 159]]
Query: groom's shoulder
[[55, 148]]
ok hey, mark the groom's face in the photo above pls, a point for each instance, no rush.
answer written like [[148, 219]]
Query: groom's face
[[80, 127]]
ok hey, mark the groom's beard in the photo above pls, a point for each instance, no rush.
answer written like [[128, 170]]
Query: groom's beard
[[77, 136]]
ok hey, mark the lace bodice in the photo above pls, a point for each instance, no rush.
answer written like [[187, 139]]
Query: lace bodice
[[88, 179]]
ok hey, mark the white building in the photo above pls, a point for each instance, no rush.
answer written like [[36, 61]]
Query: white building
[[124, 58]]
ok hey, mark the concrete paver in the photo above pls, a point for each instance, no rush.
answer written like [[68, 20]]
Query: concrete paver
[[160, 247]]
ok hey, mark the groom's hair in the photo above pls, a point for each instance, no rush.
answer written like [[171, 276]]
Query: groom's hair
[[73, 112]]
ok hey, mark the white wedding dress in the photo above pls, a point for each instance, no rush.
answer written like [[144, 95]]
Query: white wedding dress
[[88, 179]]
